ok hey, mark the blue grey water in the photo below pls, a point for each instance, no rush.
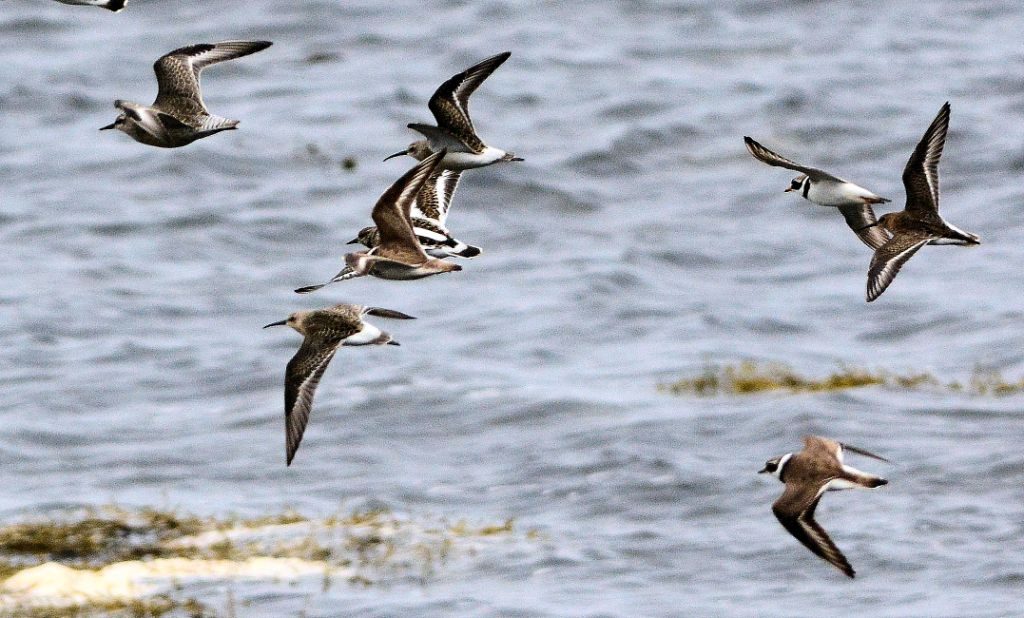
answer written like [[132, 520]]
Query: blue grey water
[[637, 243]]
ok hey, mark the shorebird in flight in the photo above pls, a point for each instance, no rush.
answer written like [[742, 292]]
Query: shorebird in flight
[[919, 223], [429, 216], [178, 116], [807, 475], [454, 130], [398, 254], [324, 331], [824, 189]]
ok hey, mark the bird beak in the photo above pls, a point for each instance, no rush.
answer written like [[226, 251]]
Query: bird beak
[[394, 343], [397, 154], [354, 241], [279, 323], [788, 190], [109, 126], [763, 470]]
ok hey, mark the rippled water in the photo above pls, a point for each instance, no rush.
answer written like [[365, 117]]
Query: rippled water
[[637, 242]]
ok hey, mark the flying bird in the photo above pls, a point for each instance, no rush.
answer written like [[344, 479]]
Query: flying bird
[[807, 475], [398, 254], [324, 331], [178, 116], [820, 187], [919, 223], [454, 130]]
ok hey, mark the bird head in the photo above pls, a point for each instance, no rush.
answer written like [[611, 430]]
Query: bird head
[[796, 184], [418, 150]]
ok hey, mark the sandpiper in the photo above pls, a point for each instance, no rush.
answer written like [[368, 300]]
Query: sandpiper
[[429, 215], [398, 255], [919, 223], [110, 5], [824, 189], [178, 116], [324, 331], [454, 130], [807, 475]]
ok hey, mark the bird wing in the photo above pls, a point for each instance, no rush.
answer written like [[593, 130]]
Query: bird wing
[[387, 313], [795, 511], [888, 259], [446, 183], [450, 102], [435, 197], [860, 451], [772, 158], [921, 176], [392, 213], [861, 219], [301, 379], [177, 72]]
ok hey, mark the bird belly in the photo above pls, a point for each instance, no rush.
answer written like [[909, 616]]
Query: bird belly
[[838, 194], [840, 484], [469, 160], [367, 335], [398, 271]]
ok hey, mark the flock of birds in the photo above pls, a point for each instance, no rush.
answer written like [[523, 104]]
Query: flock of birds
[[410, 240]]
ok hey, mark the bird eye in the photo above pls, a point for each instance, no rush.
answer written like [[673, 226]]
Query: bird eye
[[795, 184], [771, 466]]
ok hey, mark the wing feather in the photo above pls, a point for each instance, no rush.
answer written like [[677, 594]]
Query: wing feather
[[772, 158], [301, 379], [921, 175], [888, 259]]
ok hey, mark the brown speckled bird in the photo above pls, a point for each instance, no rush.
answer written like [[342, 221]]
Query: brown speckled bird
[[178, 116], [454, 130], [325, 330], [919, 223]]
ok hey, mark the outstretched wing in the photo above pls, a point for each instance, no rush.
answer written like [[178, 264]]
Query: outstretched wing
[[921, 176], [861, 219], [860, 451], [393, 210], [177, 73], [795, 511], [301, 379], [888, 259], [772, 158], [450, 102]]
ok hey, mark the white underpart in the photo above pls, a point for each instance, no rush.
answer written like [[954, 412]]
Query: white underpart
[[367, 335], [955, 229], [424, 233], [468, 160], [826, 193]]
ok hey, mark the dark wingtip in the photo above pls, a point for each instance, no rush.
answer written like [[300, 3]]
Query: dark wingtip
[[307, 289], [393, 342]]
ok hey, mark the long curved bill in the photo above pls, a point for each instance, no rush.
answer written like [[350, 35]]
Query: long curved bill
[[397, 154], [278, 323]]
